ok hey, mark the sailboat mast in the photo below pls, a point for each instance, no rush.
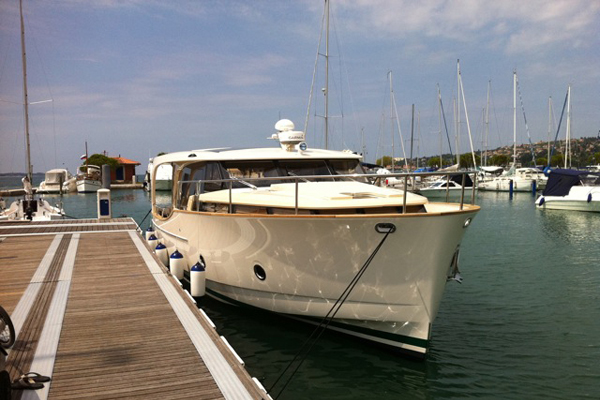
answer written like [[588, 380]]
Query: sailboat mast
[[440, 122], [487, 122], [549, 126], [392, 118], [412, 134], [457, 110], [568, 142], [25, 98], [327, 75], [514, 118]]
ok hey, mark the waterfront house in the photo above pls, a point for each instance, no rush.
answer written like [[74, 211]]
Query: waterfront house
[[125, 172]]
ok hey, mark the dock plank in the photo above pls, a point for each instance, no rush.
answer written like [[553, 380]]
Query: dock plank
[[120, 333]]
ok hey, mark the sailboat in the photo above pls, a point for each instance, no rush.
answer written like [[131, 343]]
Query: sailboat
[[30, 207], [515, 179]]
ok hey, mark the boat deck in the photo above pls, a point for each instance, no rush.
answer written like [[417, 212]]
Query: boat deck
[[94, 309]]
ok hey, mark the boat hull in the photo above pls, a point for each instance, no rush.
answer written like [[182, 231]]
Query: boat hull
[[580, 198], [88, 186], [308, 261], [503, 185]]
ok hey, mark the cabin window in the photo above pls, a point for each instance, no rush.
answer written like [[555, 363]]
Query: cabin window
[[253, 171]]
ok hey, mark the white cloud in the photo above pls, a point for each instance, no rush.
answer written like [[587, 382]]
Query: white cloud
[[530, 24]]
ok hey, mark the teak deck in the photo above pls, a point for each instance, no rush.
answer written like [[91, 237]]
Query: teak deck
[[95, 310]]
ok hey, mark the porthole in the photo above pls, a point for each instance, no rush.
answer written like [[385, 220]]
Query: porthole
[[467, 222], [260, 272]]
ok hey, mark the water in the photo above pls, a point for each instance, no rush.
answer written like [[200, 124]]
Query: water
[[525, 323]]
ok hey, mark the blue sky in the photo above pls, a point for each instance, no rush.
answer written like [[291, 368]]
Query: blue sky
[[137, 77]]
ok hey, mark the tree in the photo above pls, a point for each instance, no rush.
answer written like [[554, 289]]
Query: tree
[[384, 161], [542, 161], [466, 160], [499, 159], [557, 160], [435, 162], [99, 160]]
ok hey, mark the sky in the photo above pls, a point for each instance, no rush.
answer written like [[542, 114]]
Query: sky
[[138, 77]]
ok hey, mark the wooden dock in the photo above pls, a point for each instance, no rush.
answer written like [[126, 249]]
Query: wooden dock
[[94, 309]]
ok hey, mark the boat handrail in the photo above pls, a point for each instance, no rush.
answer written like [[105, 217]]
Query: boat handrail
[[307, 178]]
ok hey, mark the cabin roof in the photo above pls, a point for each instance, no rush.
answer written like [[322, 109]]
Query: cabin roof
[[125, 161]]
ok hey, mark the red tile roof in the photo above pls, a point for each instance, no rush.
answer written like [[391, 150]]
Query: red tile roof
[[125, 161]]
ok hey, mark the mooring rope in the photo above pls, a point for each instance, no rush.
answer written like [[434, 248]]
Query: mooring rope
[[325, 322], [140, 224]]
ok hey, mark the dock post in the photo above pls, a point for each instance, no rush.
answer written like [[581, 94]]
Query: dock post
[[533, 187], [104, 206], [105, 176]]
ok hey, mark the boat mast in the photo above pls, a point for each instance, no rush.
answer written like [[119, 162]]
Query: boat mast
[[412, 135], [25, 98], [457, 112], [514, 118], [487, 122], [568, 142], [549, 126], [440, 123], [392, 118], [326, 92]]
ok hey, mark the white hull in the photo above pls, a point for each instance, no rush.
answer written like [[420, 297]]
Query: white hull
[[503, 185], [69, 186], [36, 210], [309, 261], [580, 198], [88, 186]]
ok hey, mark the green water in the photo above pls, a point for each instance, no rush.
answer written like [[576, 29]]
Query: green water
[[524, 324]]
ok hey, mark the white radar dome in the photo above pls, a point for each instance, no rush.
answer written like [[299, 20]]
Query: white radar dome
[[284, 125]]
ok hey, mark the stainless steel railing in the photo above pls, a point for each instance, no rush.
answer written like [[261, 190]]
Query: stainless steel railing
[[366, 178]]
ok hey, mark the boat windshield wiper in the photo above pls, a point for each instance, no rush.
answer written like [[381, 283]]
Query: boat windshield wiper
[[243, 182]]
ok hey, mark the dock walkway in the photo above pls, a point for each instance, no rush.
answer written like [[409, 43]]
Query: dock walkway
[[94, 309]]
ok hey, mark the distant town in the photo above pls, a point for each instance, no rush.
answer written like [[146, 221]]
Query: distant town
[[583, 152]]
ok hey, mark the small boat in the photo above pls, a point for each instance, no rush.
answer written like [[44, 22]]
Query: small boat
[[290, 229], [522, 180], [89, 180], [58, 180], [30, 208], [450, 186], [569, 189]]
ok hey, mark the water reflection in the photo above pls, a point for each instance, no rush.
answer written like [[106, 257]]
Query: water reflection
[[338, 367]]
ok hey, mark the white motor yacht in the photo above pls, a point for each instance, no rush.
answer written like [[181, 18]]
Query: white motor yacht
[[522, 180], [58, 180], [569, 189], [293, 230], [450, 186]]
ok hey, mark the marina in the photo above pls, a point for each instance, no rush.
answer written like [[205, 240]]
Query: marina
[[95, 310], [318, 267], [523, 324]]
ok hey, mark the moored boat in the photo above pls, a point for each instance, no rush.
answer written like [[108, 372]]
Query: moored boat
[[29, 207], [90, 180], [573, 190], [289, 229], [58, 180]]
